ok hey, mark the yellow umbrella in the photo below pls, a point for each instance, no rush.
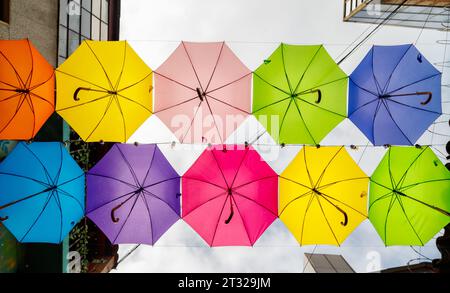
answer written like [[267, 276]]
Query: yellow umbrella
[[104, 91], [323, 195]]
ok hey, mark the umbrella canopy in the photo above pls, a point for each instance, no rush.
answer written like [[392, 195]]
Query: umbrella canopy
[[104, 91], [394, 95], [42, 192], [202, 92], [323, 195], [234, 201], [409, 196], [27, 90], [133, 194], [304, 90]]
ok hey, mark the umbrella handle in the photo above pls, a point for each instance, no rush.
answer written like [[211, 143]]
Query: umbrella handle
[[77, 91], [319, 95], [345, 222], [227, 221], [430, 96], [113, 216]]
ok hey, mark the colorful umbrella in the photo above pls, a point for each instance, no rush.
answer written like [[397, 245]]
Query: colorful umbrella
[[323, 195], [304, 89], [409, 196], [42, 192], [202, 92], [394, 95], [133, 194], [230, 196], [27, 90], [104, 91]]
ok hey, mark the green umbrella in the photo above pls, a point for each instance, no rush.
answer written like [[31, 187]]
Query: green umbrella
[[409, 196], [299, 94]]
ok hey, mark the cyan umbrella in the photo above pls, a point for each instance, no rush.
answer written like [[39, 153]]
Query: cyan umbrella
[[42, 191]]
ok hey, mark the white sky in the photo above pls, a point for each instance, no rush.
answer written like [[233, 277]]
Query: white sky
[[253, 29]]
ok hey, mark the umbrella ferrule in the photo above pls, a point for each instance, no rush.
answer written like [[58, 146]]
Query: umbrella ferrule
[[201, 95], [22, 91]]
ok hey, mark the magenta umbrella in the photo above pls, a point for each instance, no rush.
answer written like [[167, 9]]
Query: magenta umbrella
[[202, 92], [234, 201]]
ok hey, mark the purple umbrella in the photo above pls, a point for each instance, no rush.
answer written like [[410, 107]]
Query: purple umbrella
[[133, 194], [394, 95]]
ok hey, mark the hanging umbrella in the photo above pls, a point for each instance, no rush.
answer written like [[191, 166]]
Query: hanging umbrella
[[104, 91], [27, 90], [202, 92], [133, 194], [323, 196], [304, 89], [234, 201], [394, 95], [409, 199], [42, 192]]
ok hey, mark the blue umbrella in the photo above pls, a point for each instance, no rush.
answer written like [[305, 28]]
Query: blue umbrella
[[42, 192], [394, 95]]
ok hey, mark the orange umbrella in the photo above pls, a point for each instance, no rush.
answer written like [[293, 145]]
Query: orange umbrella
[[27, 90]]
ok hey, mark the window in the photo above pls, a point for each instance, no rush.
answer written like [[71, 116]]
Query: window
[[81, 20], [4, 11]]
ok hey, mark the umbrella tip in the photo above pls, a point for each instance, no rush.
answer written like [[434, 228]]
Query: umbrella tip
[[136, 143], [282, 145]]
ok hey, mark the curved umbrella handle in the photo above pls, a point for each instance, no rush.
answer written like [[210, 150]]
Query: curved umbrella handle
[[319, 96], [113, 216], [345, 222], [4, 218], [227, 221], [430, 96], [77, 91]]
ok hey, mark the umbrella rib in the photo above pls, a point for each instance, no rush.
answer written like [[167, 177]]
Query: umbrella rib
[[85, 103], [42, 83], [47, 201], [193, 68], [229, 83], [391, 176], [254, 201], [19, 105], [304, 122], [298, 183], [149, 217], [110, 201], [424, 182], [12, 87], [364, 89], [128, 216], [177, 82], [384, 196], [239, 167], [304, 217], [340, 181], [176, 105], [58, 203], [19, 79], [395, 122], [205, 202], [204, 181], [311, 181], [242, 218], [275, 87], [65, 193], [229, 105], [323, 84], [49, 178], [136, 83], [218, 219], [220, 169], [82, 80], [417, 81], [30, 76], [42, 98], [112, 178], [160, 199], [101, 119], [307, 68], [284, 118], [413, 107], [347, 205], [293, 200], [254, 181], [326, 219], [214, 120], [395, 68], [101, 65], [136, 181], [318, 107], [377, 84], [61, 158], [327, 166], [271, 104], [135, 102], [374, 118], [437, 209], [31, 105], [123, 65], [124, 125], [192, 121], [215, 66], [11, 97], [161, 181], [25, 177], [409, 221], [284, 68], [391, 204], [22, 199], [150, 165]]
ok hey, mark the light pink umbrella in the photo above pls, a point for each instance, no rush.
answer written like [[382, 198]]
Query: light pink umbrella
[[229, 196], [202, 92]]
